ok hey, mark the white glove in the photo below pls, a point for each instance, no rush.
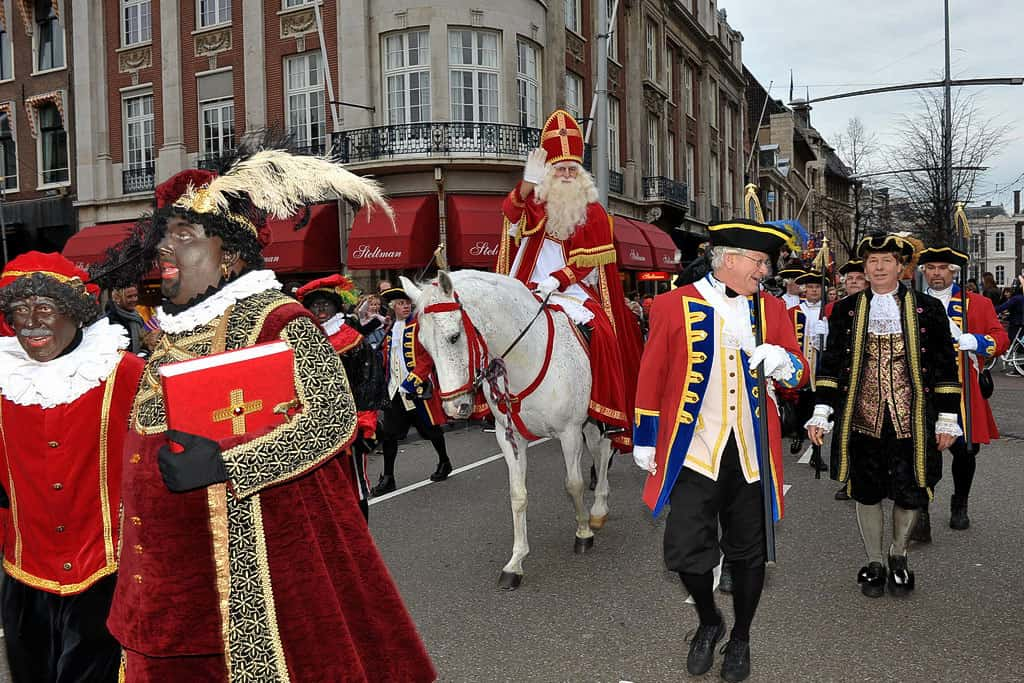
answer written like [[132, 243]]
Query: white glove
[[513, 229], [820, 418], [548, 285], [777, 363], [819, 327], [947, 423], [643, 456], [536, 166], [967, 342]]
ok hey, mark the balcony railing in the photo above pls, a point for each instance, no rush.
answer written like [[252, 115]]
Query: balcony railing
[[716, 214], [439, 138], [666, 189], [138, 179], [615, 182]]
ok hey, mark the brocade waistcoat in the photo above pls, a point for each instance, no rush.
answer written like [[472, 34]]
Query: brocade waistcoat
[[884, 387]]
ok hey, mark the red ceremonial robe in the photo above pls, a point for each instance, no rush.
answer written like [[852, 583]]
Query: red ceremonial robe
[[617, 342], [681, 350], [983, 323]]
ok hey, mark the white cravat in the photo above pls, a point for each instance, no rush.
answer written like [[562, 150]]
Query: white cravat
[[884, 316]]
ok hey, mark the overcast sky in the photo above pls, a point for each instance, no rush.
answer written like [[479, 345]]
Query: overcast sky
[[836, 46]]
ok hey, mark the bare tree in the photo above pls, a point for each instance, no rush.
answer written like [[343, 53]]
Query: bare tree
[[860, 150], [917, 164]]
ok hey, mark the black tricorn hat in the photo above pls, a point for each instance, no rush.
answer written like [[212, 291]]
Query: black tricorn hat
[[852, 266], [942, 255], [744, 234], [885, 242], [810, 278], [393, 294]]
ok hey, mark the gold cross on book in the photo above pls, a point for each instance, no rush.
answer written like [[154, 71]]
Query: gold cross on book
[[237, 411]]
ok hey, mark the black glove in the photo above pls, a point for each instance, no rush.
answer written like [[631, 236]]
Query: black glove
[[197, 466]]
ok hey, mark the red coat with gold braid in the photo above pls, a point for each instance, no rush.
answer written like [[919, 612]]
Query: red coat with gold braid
[[420, 367]]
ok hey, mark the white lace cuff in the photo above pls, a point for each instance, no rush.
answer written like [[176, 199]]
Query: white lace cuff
[[785, 370], [820, 418], [947, 424]]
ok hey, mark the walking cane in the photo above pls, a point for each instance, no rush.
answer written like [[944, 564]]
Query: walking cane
[[764, 456]]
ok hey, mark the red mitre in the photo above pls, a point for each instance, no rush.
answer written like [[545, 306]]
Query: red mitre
[[562, 138], [52, 265], [171, 189], [335, 284]]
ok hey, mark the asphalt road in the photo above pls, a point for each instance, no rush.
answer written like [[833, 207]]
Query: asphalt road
[[617, 615]]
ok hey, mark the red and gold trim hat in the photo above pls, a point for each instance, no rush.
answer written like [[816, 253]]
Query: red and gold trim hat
[[51, 265], [562, 138], [338, 285]]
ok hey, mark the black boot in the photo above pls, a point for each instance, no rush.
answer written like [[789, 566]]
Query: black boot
[[922, 532], [796, 446], [702, 647], [958, 518], [841, 494], [386, 484], [872, 580], [444, 468], [736, 663], [901, 579]]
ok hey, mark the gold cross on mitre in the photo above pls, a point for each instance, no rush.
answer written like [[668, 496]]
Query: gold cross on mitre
[[563, 131], [237, 411]]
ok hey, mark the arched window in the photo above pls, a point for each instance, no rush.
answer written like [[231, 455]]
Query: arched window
[[1000, 241]]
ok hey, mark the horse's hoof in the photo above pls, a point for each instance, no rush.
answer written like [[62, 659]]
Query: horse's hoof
[[583, 545], [598, 522], [509, 581]]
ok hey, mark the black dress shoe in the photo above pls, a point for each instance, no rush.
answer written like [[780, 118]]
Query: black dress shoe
[[922, 532], [841, 494], [796, 446], [702, 647], [872, 580], [958, 518], [442, 471], [901, 579], [386, 484], [736, 663]]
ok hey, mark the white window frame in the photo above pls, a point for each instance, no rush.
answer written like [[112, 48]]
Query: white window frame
[[574, 94], [1000, 275], [221, 11], [6, 46], [305, 92], [129, 128], [713, 99], [35, 47], [650, 48], [688, 88], [614, 109], [14, 141], [653, 166], [225, 142], [528, 114], [613, 39], [716, 181], [292, 4], [670, 156], [1000, 242], [481, 75], [142, 9], [691, 161], [40, 185], [396, 47], [574, 16]]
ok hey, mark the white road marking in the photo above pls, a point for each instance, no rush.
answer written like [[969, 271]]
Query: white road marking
[[459, 470], [806, 457]]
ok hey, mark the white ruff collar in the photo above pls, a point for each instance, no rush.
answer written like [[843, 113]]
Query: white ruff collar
[[213, 306], [333, 324], [62, 380]]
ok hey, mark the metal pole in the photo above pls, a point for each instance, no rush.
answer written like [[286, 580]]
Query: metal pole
[[3, 201], [600, 159], [947, 144], [335, 116]]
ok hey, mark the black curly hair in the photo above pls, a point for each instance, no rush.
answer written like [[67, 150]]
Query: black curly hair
[[235, 237], [72, 299]]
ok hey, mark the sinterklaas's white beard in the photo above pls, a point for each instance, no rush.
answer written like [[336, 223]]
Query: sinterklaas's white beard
[[566, 203]]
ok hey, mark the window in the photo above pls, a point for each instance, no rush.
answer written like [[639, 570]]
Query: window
[[1000, 274], [299, 3], [304, 101], [6, 56], [53, 146], [653, 148], [48, 37], [138, 131], [9, 150], [473, 58], [688, 88], [528, 85], [651, 49], [728, 126], [137, 19], [730, 189], [975, 245], [716, 175], [613, 134], [713, 104], [214, 12], [691, 160], [574, 15], [573, 94], [217, 120], [613, 39], [1000, 241], [670, 157], [407, 77]]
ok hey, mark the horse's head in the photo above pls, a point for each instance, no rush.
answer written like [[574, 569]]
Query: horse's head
[[442, 332]]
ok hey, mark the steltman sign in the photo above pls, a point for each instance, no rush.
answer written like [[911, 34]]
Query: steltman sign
[[366, 252]]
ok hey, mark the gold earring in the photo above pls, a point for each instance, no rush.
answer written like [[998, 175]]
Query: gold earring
[[224, 270]]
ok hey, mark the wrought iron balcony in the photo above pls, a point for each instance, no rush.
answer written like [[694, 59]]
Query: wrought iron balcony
[[716, 214], [667, 190], [435, 139], [138, 179], [615, 182]]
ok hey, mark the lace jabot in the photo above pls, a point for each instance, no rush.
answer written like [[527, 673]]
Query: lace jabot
[[884, 316], [212, 307]]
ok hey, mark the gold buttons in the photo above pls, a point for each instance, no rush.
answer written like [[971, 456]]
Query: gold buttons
[[60, 529], [137, 521], [58, 486], [137, 578], [135, 459], [67, 566], [53, 444], [138, 549]]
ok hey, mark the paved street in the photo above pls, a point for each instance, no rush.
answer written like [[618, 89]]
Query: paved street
[[617, 615]]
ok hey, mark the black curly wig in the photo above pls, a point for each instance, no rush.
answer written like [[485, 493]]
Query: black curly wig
[[235, 238], [72, 299]]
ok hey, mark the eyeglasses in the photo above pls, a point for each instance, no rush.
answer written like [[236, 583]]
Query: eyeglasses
[[761, 262], [569, 169]]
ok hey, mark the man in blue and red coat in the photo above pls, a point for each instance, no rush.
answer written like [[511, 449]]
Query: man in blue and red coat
[[982, 338], [696, 429]]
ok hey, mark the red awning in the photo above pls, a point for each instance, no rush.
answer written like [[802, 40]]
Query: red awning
[[374, 244], [666, 254], [312, 249], [633, 250], [474, 230], [89, 245]]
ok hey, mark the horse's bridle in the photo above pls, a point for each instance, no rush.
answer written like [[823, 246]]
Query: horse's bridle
[[478, 352]]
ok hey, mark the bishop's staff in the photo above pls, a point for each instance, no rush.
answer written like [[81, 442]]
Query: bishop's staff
[[963, 232], [764, 456]]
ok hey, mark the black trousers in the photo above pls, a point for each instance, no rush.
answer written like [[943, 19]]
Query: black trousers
[[884, 468], [396, 421], [59, 639], [699, 505]]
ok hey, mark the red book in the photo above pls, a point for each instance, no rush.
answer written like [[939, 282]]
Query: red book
[[228, 394]]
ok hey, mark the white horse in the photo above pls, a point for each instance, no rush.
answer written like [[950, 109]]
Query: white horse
[[498, 309]]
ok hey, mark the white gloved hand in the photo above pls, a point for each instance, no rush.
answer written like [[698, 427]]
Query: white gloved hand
[[513, 229], [948, 423], [820, 418], [777, 363], [536, 166], [548, 285], [643, 456], [967, 342]]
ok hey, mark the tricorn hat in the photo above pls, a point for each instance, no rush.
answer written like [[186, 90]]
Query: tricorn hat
[[885, 242], [852, 266], [745, 234], [942, 255], [393, 294], [810, 278]]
